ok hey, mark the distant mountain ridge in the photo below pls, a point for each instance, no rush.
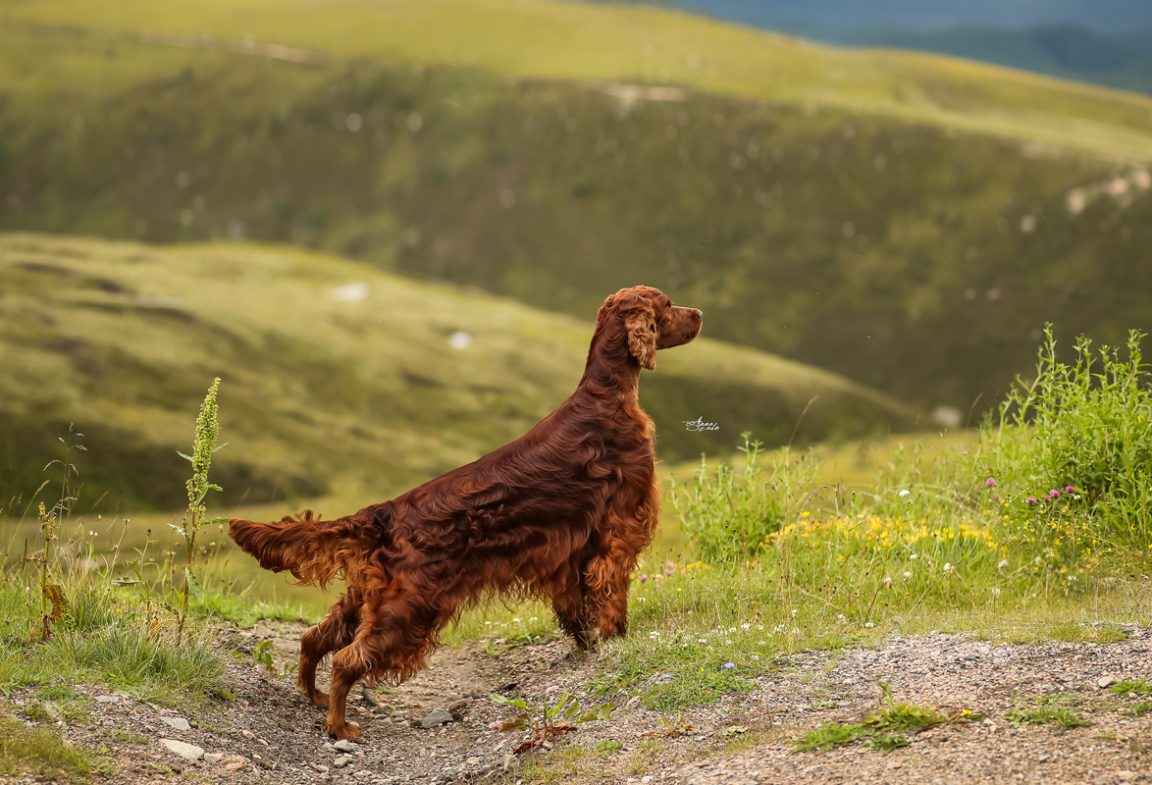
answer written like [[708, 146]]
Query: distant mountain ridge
[[1107, 43]]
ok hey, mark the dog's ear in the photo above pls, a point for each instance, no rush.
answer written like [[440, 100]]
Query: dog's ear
[[641, 328]]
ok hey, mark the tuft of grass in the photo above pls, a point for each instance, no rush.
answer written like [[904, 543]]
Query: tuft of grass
[[885, 730], [42, 753], [1055, 709], [1132, 687], [1142, 708]]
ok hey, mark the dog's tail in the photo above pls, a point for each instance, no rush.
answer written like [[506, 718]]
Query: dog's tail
[[314, 551]]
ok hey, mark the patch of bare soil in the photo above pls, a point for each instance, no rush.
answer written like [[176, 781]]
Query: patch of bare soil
[[269, 734]]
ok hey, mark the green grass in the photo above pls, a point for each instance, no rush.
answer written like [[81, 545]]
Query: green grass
[[884, 730], [1058, 709], [1132, 687], [40, 752], [109, 636]]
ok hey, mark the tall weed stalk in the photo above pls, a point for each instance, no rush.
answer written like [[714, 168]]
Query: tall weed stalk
[[198, 486]]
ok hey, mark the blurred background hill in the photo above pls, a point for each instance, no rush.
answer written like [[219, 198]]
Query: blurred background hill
[[388, 225], [1107, 42]]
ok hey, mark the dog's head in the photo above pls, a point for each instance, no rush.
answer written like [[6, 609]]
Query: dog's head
[[648, 321]]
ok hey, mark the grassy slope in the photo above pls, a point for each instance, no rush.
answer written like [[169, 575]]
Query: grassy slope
[[568, 40], [816, 225], [319, 395]]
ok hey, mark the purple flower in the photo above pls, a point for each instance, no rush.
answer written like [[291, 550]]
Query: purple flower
[[1033, 501], [643, 578], [990, 482], [728, 666], [1069, 489], [1054, 494]]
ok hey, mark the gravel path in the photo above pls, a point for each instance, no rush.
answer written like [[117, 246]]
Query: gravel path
[[269, 735]]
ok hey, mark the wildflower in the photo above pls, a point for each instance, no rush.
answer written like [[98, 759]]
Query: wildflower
[[990, 482], [887, 581], [1053, 494], [995, 591], [914, 556], [643, 578], [840, 617], [1003, 565], [903, 492], [948, 567], [1033, 501], [869, 625], [728, 666], [1069, 489], [907, 575]]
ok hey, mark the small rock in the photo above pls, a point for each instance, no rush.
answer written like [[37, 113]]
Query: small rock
[[213, 757], [458, 706], [189, 752], [176, 723], [318, 767], [234, 762], [473, 761], [1126, 776], [362, 774], [344, 745], [436, 717], [1043, 757], [1105, 682], [107, 699], [342, 761], [247, 734], [328, 747]]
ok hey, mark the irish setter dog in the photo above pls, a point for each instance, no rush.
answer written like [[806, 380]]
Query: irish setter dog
[[562, 513]]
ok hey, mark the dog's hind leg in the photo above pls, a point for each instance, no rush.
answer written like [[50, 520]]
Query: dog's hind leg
[[335, 631], [396, 633]]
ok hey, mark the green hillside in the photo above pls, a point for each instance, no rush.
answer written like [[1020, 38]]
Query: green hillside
[[571, 40], [848, 217], [355, 391]]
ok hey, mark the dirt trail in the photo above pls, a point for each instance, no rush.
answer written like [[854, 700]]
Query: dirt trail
[[268, 734]]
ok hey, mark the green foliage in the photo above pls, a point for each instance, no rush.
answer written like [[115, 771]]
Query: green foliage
[[198, 487], [1071, 454], [42, 753], [884, 730], [1056, 709], [728, 513], [550, 718], [1131, 687]]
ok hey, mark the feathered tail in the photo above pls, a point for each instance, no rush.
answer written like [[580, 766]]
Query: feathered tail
[[314, 551]]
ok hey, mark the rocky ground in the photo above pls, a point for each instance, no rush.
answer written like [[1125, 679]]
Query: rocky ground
[[441, 727]]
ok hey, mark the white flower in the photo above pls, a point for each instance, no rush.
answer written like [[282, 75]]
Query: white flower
[[1003, 565], [948, 567], [903, 492], [907, 575], [887, 581], [995, 591]]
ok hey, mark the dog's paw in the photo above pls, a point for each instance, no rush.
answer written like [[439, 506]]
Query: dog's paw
[[318, 698], [347, 730]]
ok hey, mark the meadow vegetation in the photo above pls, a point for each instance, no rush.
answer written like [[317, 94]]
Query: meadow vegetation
[[1023, 533]]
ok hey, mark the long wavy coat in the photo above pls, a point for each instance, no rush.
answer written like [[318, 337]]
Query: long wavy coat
[[561, 513]]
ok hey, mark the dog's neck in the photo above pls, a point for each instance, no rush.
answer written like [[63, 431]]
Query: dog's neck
[[611, 372]]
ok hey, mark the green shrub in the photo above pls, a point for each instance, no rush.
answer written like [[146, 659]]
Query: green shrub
[[1069, 462], [729, 512]]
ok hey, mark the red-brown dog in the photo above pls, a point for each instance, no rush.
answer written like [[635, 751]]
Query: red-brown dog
[[563, 512]]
